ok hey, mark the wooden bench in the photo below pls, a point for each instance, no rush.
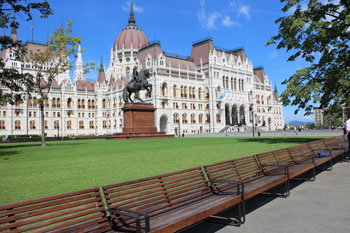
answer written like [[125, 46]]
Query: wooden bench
[[255, 179], [166, 203], [336, 144], [81, 211]]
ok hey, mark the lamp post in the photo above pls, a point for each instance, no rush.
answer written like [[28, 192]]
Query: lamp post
[[253, 122]]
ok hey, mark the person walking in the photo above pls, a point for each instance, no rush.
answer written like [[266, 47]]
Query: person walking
[[347, 127]]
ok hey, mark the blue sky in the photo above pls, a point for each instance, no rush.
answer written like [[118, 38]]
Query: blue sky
[[176, 23]]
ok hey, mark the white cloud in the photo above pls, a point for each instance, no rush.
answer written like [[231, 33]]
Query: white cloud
[[207, 21], [126, 7], [228, 22], [273, 55], [210, 20], [244, 10]]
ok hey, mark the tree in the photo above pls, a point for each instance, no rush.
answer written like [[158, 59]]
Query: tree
[[50, 62], [317, 31], [14, 81]]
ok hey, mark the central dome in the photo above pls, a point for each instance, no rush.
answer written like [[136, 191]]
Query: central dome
[[131, 37]]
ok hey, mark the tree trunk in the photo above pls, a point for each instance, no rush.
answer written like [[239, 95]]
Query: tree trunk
[[42, 125]]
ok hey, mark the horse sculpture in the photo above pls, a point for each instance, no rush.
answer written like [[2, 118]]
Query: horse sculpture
[[137, 84]]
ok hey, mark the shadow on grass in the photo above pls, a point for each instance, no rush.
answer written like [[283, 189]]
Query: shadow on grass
[[12, 147], [275, 140]]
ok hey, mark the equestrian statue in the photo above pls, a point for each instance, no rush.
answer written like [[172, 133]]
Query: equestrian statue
[[137, 83]]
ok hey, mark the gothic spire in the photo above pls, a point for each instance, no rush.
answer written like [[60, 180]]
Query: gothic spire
[[275, 88], [132, 16], [101, 74], [102, 69]]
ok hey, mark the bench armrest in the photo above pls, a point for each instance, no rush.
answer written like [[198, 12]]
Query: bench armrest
[[132, 214], [240, 191], [282, 166]]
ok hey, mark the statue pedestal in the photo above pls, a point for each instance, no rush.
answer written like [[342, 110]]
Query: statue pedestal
[[139, 122]]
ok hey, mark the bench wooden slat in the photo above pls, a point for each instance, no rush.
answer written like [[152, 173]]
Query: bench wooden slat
[[76, 211]]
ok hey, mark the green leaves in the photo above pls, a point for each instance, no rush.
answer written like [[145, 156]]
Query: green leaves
[[10, 77], [319, 33]]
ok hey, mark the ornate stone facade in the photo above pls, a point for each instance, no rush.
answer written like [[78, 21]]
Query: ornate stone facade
[[211, 90]]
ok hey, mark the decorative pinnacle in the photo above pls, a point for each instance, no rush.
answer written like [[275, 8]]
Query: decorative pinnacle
[[275, 88], [132, 16], [102, 69]]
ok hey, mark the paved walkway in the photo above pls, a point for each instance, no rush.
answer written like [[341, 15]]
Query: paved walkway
[[322, 206], [324, 132]]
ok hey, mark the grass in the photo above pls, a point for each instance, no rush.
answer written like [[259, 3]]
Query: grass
[[29, 171]]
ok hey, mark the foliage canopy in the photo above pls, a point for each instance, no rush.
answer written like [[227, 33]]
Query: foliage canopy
[[317, 31]]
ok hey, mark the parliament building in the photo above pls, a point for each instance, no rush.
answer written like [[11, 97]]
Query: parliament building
[[212, 90]]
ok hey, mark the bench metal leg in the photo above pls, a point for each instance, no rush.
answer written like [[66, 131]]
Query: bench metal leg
[[313, 178], [229, 220], [285, 194]]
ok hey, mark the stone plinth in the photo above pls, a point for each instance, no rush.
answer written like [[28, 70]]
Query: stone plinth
[[139, 118], [139, 122]]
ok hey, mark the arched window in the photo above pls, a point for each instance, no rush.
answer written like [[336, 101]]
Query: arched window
[[218, 120], [176, 118], [185, 92], [174, 90], [82, 103], [69, 103], [226, 82], [79, 103], [164, 89], [58, 102], [30, 101], [17, 124], [89, 104], [223, 82], [2, 125], [127, 72], [190, 92], [182, 92], [208, 119], [45, 125], [93, 104], [69, 125], [46, 102], [91, 124], [104, 103], [193, 93], [104, 124], [193, 118], [200, 118], [32, 124], [184, 118], [231, 83], [235, 84], [56, 124], [54, 102], [199, 93], [35, 102], [81, 124]]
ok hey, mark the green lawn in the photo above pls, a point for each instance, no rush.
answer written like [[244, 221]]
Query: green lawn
[[29, 171]]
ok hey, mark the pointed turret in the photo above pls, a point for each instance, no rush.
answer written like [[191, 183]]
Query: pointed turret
[[79, 73], [132, 16], [275, 88], [275, 92], [101, 74]]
